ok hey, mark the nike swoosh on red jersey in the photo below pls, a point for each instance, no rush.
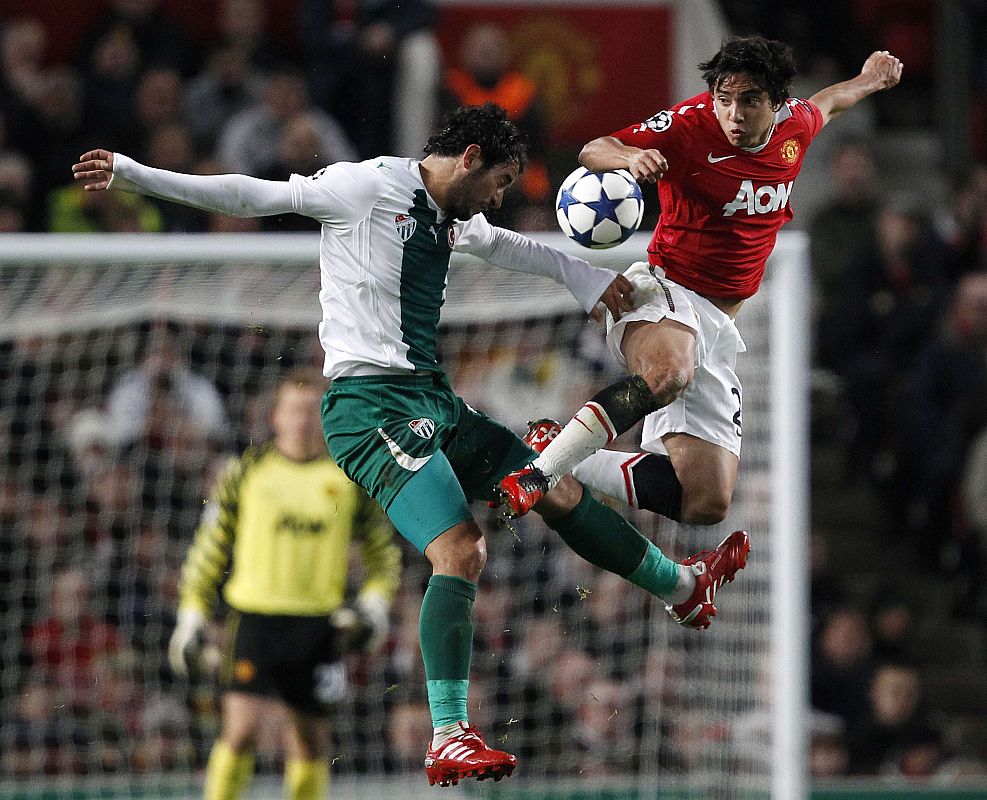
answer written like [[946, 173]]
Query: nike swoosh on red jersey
[[712, 160]]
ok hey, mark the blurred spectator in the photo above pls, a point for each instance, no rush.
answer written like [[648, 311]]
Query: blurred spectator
[[62, 136], [242, 27], [157, 103], [604, 730], [946, 399], [408, 724], [964, 223], [297, 152], [247, 140], [43, 736], [894, 720], [844, 227], [66, 644], [170, 147], [842, 666], [972, 591], [164, 745], [71, 210], [892, 624], [375, 63], [907, 29], [485, 74], [826, 590], [111, 68], [610, 637], [155, 398], [828, 753], [887, 307], [228, 84], [15, 192], [540, 643], [156, 40], [22, 50]]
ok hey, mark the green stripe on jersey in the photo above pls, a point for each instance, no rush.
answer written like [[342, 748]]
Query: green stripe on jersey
[[424, 266]]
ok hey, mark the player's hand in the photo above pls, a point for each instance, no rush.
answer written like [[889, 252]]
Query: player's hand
[[188, 641], [618, 297], [647, 165], [364, 625], [883, 69], [94, 169]]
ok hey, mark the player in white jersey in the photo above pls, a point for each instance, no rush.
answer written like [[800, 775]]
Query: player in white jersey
[[391, 420]]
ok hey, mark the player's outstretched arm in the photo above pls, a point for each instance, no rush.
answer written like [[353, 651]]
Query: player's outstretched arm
[[881, 71], [608, 152], [94, 170], [510, 250], [236, 195]]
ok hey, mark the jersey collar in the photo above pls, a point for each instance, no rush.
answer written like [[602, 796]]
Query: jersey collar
[[781, 115], [416, 171]]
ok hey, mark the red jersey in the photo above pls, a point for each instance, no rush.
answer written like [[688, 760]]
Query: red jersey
[[721, 205]]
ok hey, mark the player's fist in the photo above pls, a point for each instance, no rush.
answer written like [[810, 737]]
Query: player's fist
[[647, 165], [618, 297], [94, 169], [364, 625], [188, 641], [882, 68]]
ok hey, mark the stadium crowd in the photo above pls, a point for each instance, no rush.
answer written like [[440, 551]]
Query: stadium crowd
[[97, 506]]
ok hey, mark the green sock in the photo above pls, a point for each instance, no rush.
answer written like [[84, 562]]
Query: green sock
[[604, 538], [445, 632]]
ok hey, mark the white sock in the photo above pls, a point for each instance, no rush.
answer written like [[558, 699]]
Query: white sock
[[443, 732], [587, 432], [684, 588], [608, 471]]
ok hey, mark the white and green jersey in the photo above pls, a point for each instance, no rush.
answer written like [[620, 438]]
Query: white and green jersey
[[384, 258], [384, 254]]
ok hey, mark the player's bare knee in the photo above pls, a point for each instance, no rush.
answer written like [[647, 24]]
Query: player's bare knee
[[459, 551], [468, 560], [708, 509], [564, 497], [667, 381]]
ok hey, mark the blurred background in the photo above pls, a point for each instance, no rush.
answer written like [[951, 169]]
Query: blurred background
[[893, 197]]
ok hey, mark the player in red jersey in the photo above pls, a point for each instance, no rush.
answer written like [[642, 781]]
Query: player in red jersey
[[725, 162]]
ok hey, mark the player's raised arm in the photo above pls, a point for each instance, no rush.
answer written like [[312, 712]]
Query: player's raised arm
[[236, 195], [609, 153], [881, 71], [510, 250]]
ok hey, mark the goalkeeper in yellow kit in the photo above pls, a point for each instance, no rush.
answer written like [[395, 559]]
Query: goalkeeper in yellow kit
[[280, 522]]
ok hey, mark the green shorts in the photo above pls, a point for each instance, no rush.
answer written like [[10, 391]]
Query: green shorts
[[383, 431]]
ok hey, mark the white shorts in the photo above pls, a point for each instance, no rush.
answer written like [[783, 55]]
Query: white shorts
[[710, 406]]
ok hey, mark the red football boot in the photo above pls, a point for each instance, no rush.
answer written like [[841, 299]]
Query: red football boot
[[466, 755], [513, 499], [712, 569], [540, 433], [521, 490]]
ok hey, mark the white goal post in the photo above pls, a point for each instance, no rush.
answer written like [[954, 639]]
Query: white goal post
[[746, 679]]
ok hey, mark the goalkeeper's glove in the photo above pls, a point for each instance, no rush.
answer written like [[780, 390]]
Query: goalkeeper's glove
[[189, 648], [364, 625]]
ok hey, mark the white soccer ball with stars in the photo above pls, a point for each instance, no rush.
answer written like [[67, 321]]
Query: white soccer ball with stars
[[599, 209]]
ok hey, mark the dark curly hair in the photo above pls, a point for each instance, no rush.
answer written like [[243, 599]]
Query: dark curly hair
[[499, 139], [769, 64]]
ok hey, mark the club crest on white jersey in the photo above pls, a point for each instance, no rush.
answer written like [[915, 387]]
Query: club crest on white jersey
[[423, 427], [762, 200], [405, 225]]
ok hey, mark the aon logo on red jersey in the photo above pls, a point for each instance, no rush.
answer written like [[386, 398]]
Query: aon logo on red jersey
[[762, 200]]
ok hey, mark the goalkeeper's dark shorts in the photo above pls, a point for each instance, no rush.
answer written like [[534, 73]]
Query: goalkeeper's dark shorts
[[418, 449], [297, 660]]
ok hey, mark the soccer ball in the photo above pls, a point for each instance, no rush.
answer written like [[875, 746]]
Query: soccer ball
[[599, 209]]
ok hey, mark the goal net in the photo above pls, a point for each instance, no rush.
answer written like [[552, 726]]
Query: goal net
[[580, 674]]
